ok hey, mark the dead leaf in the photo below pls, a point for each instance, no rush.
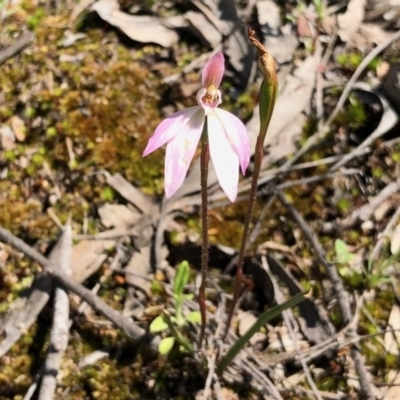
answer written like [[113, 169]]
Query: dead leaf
[[141, 28], [138, 269], [18, 127], [117, 215], [392, 339], [224, 16], [71, 37], [389, 10], [382, 210], [246, 320], [374, 34], [394, 391], [304, 28], [78, 9], [269, 15], [382, 69], [282, 47], [204, 29], [87, 257], [395, 241], [130, 193], [7, 138], [350, 21]]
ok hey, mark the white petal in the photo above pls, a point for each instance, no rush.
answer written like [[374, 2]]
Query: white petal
[[180, 151], [237, 135], [169, 128], [223, 156]]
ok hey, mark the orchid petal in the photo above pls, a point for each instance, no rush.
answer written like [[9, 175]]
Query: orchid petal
[[223, 157], [213, 71], [237, 135], [169, 128], [181, 149]]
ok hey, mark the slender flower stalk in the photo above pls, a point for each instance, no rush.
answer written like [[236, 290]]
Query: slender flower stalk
[[224, 140], [204, 161], [268, 94]]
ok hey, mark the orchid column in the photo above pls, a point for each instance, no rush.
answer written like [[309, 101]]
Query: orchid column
[[224, 139]]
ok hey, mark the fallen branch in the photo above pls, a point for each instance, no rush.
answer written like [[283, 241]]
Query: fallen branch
[[24, 311], [60, 329], [98, 305], [15, 48]]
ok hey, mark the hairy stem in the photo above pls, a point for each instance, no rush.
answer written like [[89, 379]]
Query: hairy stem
[[204, 161]]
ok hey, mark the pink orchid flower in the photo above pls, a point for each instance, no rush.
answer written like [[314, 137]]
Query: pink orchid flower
[[227, 136]]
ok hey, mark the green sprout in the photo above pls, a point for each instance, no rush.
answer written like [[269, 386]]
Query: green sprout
[[375, 274], [319, 9], [378, 273], [176, 322]]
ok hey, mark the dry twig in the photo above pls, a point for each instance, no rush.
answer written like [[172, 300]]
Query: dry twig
[[98, 305], [15, 48], [23, 312], [365, 212], [60, 329], [289, 319], [366, 387], [322, 131]]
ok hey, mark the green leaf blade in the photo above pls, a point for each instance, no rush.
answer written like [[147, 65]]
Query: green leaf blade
[[166, 345]]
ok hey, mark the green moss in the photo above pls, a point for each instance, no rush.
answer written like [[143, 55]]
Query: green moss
[[100, 110], [377, 172], [354, 115], [351, 60], [344, 205], [396, 157]]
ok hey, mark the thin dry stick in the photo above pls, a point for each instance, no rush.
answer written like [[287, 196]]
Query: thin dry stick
[[317, 178], [60, 329], [254, 234], [358, 150], [342, 296], [364, 212], [289, 319], [32, 388], [98, 305], [22, 42], [389, 227], [211, 372], [324, 395], [212, 376], [314, 352], [276, 172], [264, 380], [313, 140], [21, 317], [319, 92], [265, 176], [217, 388], [113, 268]]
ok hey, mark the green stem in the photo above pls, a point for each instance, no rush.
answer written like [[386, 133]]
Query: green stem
[[268, 93], [176, 334], [204, 161]]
